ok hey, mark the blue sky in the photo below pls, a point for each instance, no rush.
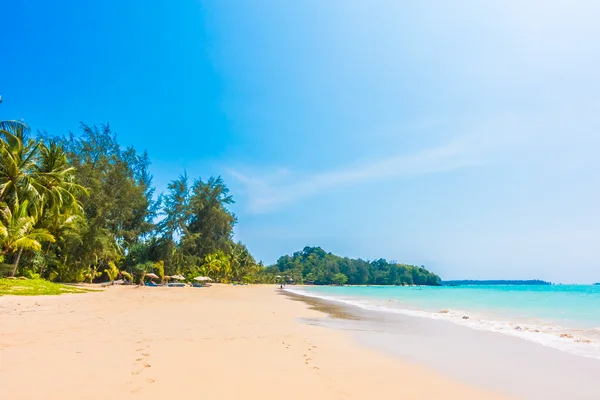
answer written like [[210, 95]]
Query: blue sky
[[459, 135]]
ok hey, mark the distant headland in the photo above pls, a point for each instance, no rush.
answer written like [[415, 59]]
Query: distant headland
[[313, 265]]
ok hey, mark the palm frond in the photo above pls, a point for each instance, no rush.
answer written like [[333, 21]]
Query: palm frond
[[14, 126]]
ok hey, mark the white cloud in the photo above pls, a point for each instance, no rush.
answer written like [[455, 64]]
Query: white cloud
[[269, 192]]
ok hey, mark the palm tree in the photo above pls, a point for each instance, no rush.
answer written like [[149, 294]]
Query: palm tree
[[212, 265], [112, 272], [61, 211], [242, 262], [225, 265], [18, 232], [18, 156], [237, 268], [54, 180], [37, 181]]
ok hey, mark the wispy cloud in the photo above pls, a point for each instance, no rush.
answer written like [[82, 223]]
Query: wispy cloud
[[269, 192]]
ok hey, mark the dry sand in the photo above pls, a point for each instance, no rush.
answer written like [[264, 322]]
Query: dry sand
[[223, 342]]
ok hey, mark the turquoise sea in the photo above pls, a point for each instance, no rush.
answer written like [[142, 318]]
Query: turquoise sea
[[566, 317]]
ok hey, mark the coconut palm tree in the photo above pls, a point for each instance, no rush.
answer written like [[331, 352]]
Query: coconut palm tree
[[54, 180], [18, 232], [225, 265], [242, 262], [37, 181], [237, 269], [18, 157], [212, 265]]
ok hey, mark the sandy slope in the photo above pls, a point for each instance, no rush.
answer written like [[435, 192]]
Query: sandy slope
[[222, 342]]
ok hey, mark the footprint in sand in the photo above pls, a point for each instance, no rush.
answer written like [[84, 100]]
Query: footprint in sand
[[138, 359], [147, 365], [145, 354]]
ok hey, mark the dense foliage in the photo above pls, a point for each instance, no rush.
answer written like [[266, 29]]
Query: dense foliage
[[81, 208], [314, 265]]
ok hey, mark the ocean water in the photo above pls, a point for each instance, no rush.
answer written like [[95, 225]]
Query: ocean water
[[565, 317]]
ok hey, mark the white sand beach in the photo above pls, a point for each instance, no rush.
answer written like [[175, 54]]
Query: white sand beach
[[222, 342]]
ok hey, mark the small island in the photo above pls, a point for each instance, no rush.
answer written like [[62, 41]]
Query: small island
[[313, 265]]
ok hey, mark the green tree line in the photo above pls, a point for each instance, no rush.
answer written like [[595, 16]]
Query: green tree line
[[314, 265], [81, 208]]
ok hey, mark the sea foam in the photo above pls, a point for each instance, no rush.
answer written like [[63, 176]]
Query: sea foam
[[582, 342]]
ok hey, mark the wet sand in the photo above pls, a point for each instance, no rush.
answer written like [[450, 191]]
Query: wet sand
[[223, 342], [504, 364]]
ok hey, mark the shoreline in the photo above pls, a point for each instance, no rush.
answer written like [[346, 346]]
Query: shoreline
[[576, 340], [494, 361], [216, 343]]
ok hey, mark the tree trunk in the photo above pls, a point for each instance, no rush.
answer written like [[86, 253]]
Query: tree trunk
[[16, 263]]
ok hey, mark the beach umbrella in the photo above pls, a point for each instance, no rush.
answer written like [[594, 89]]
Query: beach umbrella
[[153, 276], [178, 277], [202, 278]]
